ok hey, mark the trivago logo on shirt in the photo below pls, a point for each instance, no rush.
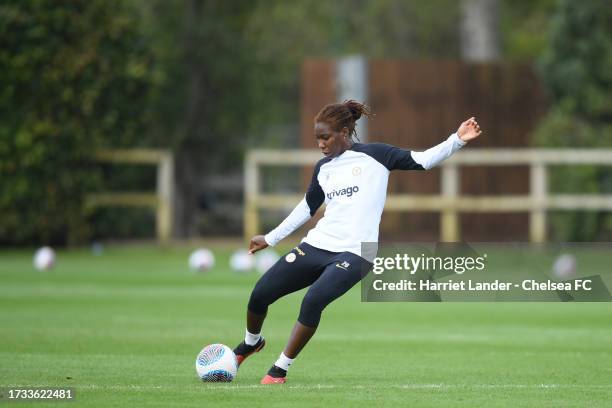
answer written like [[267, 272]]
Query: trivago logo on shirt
[[348, 191]]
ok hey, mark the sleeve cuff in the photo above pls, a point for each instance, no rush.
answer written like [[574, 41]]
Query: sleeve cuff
[[456, 139], [269, 240]]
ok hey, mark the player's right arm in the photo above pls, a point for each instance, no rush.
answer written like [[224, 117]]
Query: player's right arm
[[306, 208]]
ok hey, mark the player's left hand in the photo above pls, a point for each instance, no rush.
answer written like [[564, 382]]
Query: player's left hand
[[469, 130]]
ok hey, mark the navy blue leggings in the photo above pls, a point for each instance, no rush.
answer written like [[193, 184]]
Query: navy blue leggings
[[329, 275]]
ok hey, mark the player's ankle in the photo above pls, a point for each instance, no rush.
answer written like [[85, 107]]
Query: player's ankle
[[277, 372], [251, 339], [284, 362]]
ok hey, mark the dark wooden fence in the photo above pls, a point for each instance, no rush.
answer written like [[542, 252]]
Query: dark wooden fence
[[417, 105]]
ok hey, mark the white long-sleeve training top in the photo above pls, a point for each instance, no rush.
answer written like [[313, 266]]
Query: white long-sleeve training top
[[353, 186]]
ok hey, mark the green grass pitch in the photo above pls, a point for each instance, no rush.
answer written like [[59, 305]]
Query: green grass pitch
[[124, 329]]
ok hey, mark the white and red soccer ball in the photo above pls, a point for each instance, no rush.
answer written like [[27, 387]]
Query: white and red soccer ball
[[44, 259], [565, 267], [265, 259], [241, 261], [201, 260]]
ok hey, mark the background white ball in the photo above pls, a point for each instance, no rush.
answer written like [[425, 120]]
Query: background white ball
[[44, 259], [201, 260], [216, 363], [565, 266], [242, 261], [265, 259], [97, 248]]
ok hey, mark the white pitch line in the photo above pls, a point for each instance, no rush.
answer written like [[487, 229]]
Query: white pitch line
[[233, 387], [409, 386]]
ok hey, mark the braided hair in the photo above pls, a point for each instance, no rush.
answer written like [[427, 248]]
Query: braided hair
[[343, 115]]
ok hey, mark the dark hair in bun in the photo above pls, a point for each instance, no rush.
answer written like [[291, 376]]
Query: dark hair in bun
[[343, 115]]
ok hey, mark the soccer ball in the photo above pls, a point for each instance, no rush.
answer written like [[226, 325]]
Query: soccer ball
[[242, 261], [201, 260], [565, 266], [216, 363], [44, 259], [265, 259]]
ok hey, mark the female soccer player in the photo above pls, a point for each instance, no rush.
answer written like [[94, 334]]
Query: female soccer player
[[352, 181]]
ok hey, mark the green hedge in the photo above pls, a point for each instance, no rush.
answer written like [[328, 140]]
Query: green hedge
[[577, 72], [74, 76]]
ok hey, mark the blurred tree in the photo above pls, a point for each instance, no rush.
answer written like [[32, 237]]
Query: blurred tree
[[577, 71], [203, 103], [74, 76], [284, 33], [206, 78], [523, 28], [480, 30]]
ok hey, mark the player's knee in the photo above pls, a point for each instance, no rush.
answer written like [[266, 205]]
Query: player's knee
[[259, 300], [310, 311]]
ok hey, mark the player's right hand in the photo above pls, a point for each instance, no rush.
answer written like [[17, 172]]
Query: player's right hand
[[257, 244]]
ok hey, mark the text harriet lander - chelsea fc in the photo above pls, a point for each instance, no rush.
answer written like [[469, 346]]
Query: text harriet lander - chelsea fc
[[470, 285]]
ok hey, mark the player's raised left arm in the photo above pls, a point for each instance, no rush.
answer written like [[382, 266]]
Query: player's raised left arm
[[468, 130]]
